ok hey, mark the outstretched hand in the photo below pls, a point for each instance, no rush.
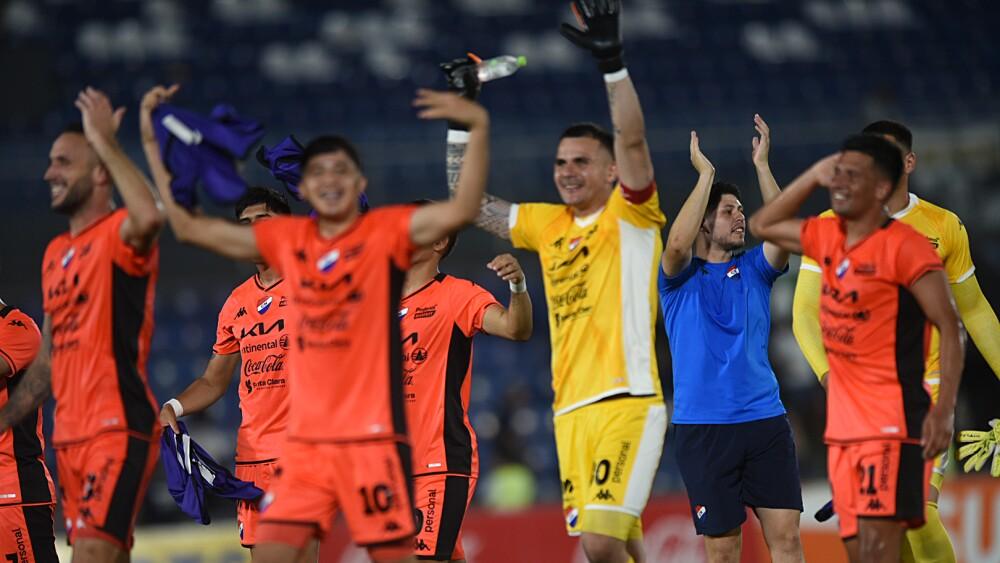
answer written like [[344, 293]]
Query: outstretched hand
[[601, 33], [434, 104], [150, 101], [462, 76], [698, 158], [507, 268], [761, 145], [100, 120]]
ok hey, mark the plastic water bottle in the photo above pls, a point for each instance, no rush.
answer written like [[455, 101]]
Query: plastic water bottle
[[499, 67]]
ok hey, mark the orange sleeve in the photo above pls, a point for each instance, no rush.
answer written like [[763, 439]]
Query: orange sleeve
[[225, 339], [470, 306], [809, 237], [127, 258], [915, 257], [19, 340], [271, 235], [394, 222]]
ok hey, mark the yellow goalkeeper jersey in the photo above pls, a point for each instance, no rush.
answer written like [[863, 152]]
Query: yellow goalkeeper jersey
[[600, 287], [948, 236]]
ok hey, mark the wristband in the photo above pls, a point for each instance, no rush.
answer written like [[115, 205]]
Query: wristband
[[176, 405], [616, 76], [457, 136], [519, 287]]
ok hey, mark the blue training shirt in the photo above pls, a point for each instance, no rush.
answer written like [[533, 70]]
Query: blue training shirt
[[718, 322]]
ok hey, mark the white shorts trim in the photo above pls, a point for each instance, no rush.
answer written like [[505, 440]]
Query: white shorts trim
[[810, 268], [607, 508], [647, 459], [594, 399]]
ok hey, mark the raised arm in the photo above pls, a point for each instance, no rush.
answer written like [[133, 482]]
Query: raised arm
[[979, 320], [100, 126], [217, 235], [683, 233], [35, 386], [514, 322], [601, 35], [431, 222], [204, 391], [494, 213], [769, 189], [932, 294], [776, 221]]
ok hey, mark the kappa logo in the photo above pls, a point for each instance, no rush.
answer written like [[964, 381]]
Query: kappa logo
[[242, 312], [391, 526], [18, 322], [935, 242], [875, 504], [327, 261], [68, 257], [283, 302], [264, 304], [420, 545], [700, 511], [604, 495]]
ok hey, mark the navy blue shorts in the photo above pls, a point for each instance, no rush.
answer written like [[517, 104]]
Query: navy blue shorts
[[727, 467]]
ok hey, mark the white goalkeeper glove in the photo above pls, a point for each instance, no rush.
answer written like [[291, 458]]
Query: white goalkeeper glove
[[979, 446]]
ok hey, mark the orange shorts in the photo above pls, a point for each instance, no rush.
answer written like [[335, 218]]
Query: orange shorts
[[369, 480], [247, 512], [441, 502], [26, 533], [103, 482], [878, 479]]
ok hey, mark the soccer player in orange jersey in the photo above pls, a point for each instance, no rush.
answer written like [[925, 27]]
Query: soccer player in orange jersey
[[883, 289], [27, 496], [347, 445], [440, 316], [98, 282], [253, 336]]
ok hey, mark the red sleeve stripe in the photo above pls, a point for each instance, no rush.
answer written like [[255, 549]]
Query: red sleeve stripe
[[638, 197]]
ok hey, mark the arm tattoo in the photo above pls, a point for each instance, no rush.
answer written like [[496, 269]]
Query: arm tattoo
[[493, 212], [494, 216], [35, 387], [612, 88]]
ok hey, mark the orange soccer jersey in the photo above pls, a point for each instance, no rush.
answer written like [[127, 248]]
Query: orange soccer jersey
[[24, 478], [252, 323], [346, 353], [98, 292], [875, 333], [439, 321]]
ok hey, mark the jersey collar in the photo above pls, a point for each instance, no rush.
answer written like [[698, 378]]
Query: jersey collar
[[588, 220], [914, 200]]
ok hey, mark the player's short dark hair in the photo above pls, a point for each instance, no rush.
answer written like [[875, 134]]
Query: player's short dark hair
[[73, 127], [718, 190], [452, 238], [328, 144], [894, 129], [886, 154], [273, 200], [591, 131]]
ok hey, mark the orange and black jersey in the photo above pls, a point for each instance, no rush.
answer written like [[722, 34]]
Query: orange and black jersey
[[98, 292], [24, 479], [875, 333], [439, 322], [345, 357]]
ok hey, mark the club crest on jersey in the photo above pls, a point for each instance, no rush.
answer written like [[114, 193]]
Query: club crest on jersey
[[403, 312], [327, 261], [264, 304], [699, 511], [575, 242], [842, 268], [733, 271], [68, 257], [572, 516]]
